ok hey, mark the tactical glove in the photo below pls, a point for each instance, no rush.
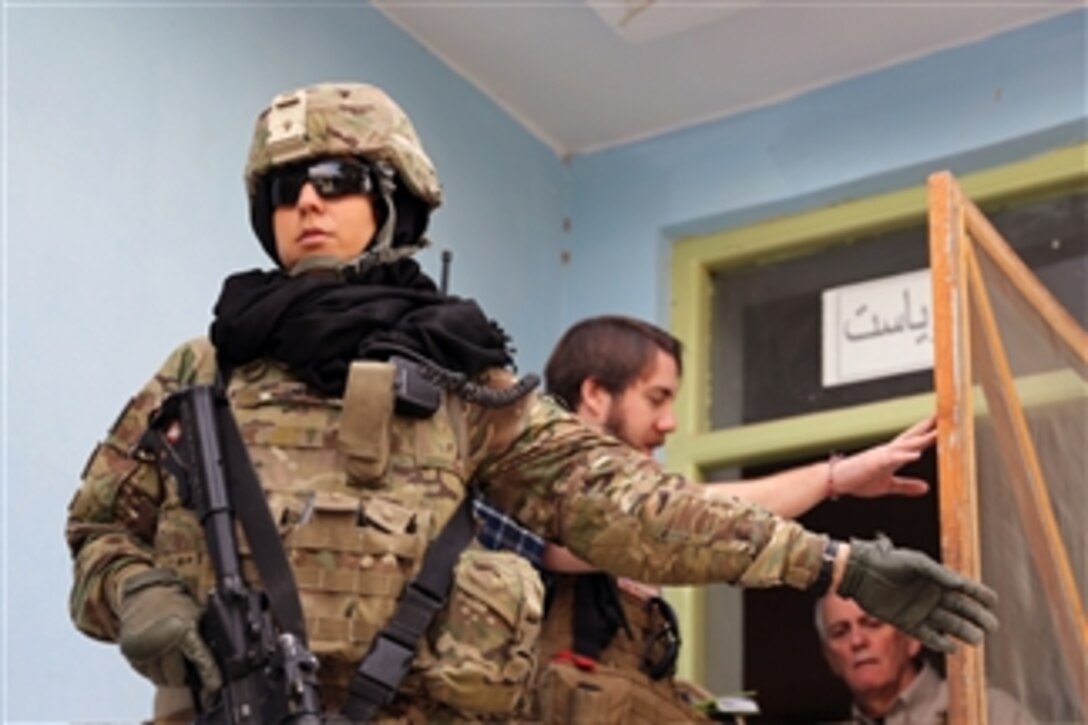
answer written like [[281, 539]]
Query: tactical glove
[[916, 594], [159, 631]]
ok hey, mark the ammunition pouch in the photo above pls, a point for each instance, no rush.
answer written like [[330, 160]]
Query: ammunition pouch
[[572, 693], [629, 681], [351, 561], [479, 656]]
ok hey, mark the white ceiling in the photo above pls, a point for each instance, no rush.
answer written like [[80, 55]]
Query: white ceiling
[[588, 74]]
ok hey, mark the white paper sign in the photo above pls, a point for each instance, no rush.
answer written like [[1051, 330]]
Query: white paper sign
[[877, 328]]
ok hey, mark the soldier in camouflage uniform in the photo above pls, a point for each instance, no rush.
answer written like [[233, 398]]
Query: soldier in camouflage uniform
[[340, 192], [621, 375]]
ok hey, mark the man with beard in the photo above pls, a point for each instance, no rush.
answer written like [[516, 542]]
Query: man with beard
[[621, 375]]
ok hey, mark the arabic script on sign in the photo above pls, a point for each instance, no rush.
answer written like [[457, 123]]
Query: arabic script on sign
[[877, 328]]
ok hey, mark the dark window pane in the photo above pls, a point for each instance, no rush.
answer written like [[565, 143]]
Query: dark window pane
[[766, 353]]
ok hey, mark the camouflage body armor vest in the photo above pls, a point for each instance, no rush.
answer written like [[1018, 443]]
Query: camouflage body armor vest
[[358, 493], [614, 688]]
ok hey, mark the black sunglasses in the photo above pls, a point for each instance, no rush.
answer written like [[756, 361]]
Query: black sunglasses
[[331, 179]]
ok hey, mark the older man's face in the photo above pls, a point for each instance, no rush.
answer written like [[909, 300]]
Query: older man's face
[[867, 654]]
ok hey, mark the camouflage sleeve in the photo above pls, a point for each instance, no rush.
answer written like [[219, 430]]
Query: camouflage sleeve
[[113, 516], [617, 509]]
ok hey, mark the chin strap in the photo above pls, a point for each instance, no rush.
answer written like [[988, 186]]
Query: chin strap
[[385, 177]]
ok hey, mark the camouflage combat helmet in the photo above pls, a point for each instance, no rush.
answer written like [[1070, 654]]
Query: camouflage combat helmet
[[336, 119]]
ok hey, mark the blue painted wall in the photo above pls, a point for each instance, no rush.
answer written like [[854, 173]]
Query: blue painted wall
[[126, 129], [1009, 97]]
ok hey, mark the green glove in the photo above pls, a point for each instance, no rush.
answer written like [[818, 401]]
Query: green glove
[[907, 589], [159, 631]]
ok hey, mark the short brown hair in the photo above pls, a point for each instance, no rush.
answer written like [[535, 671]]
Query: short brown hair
[[611, 349]]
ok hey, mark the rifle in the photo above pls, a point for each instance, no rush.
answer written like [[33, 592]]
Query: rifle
[[269, 674]]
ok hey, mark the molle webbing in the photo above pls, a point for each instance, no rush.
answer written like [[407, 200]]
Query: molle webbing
[[385, 665], [327, 629], [349, 582]]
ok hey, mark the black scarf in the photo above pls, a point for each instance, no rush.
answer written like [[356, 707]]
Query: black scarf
[[318, 323]]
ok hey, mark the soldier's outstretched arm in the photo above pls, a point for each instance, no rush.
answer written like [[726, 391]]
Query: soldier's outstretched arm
[[618, 510]]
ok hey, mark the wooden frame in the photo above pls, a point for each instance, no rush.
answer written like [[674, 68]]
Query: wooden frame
[[965, 325], [695, 448]]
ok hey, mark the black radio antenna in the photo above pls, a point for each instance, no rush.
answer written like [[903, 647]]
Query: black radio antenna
[[447, 259]]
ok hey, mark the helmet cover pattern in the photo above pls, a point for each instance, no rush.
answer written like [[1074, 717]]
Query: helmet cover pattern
[[342, 119]]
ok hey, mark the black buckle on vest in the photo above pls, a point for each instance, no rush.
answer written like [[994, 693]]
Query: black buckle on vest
[[663, 646], [383, 670], [389, 659], [418, 606]]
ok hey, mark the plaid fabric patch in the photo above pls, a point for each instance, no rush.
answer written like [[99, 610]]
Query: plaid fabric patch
[[499, 532]]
